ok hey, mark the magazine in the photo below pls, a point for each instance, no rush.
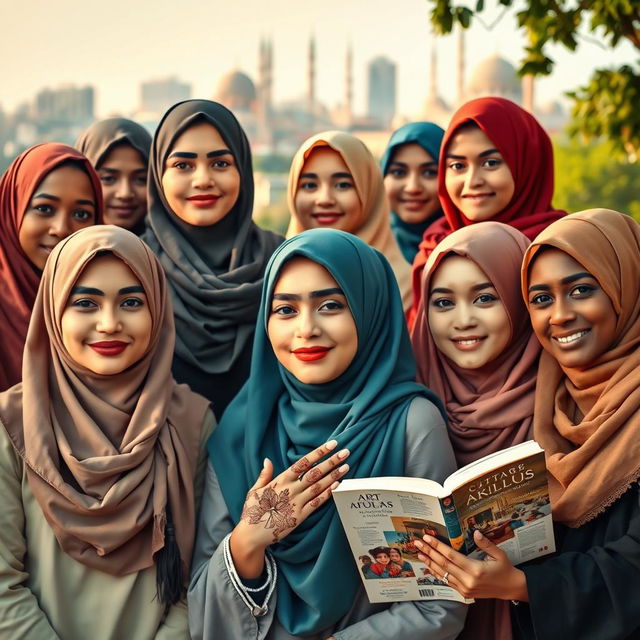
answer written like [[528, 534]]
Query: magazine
[[505, 495]]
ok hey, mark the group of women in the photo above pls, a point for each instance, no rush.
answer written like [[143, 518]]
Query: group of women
[[182, 390]]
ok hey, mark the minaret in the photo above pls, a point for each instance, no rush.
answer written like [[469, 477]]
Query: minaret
[[461, 90], [433, 70], [348, 86], [311, 76]]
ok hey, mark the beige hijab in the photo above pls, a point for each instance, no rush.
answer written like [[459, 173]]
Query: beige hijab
[[587, 419], [106, 456], [374, 227]]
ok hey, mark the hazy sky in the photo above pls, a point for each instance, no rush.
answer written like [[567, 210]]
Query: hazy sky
[[114, 45]]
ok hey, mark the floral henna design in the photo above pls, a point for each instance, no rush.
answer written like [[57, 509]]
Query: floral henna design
[[278, 509], [301, 466]]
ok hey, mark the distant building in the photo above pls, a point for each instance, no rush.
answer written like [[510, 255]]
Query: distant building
[[65, 105], [156, 96], [382, 90]]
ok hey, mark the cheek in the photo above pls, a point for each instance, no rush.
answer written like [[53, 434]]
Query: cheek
[[392, 187], [70, 326], [302, 202], [171, 189], [452, 184]]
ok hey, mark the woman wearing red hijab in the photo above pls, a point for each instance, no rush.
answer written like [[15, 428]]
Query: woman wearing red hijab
[[496, 164], [48, 192]]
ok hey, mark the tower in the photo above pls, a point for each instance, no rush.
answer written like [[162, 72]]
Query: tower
[[311, 76], [382, 90], [348, 86], [461, 91]]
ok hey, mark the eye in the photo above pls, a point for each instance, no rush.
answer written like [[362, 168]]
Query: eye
[[84, 304], [541, 299], [132, 303], [83, 215], [455, 166], [140, 181], [343, 185], [108, 180], [582, 291], [181, 165], [492, 163], [44, 209], [397, 173], [430, 173], [442, 303], [486, 298], [221, 164], [308, 186], [283, 310], [332, 305]]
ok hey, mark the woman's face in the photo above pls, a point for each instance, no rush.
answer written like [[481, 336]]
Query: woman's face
[[395, 556], [411, 183], [383, 558], [201, 181], [310, 327], [571, 314], [62, 203], [467, 319], [326, 194], [477, 178], [123, 174], [106, 323]]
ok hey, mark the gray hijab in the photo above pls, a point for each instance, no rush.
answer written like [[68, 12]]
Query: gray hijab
[[215, 273]]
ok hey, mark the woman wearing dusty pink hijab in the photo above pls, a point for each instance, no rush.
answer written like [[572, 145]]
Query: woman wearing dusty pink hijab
[[475, 349]]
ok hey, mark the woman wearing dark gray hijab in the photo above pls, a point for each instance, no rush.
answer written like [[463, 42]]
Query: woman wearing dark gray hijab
[[118, 149], [199, 225]]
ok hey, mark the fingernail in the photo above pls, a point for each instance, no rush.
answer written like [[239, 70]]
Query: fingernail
[[344, 468], [334, 486], [418, 544], [332, 444], [343, 454], [422, 557], [426, 538], [264, 462]]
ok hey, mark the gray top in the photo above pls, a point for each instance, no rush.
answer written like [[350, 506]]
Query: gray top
[[218, 608]]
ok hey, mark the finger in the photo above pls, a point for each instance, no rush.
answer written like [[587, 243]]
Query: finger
[[318, 500], [325, 468], [324, 482], [443, 552], [306, 462], [442, 570], [488, 547], [265, 476]]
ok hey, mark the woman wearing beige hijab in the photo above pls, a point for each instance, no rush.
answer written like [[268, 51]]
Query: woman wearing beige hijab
[[98, 453], [335, 182], [580, 281]]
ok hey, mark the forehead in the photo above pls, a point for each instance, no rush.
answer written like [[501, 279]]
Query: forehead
[[61, 180], [457, 272], [324, 160], [411, 153], [552, 265], [302, 275], [199, 137], [469, 139], [107, 272], [123, 154]]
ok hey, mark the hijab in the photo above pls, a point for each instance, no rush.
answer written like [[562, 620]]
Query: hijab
[[586, 419], [490, 408], [429, 137], [365, 409], [215, 272], [19, 277], [374, 226], [106, 456], [527, 150]]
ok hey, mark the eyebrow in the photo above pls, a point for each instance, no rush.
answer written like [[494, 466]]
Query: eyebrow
[[48, 196], [189, 154], [136, 288], [339, 174], [483, 154], [110, 170], [321, 293], [567, 280], [475, 287], [406, 164]]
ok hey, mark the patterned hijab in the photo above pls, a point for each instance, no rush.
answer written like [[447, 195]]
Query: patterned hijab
[[365, 409]]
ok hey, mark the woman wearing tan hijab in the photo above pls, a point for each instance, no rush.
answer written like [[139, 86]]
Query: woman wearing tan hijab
[[580, 281], [335, 182], [475, 349], [98, 453]]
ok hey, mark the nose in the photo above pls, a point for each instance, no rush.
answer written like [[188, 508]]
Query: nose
[[474, 177], [413, 184], [60, 226], [202, 177], [108, 320], [561, 312], [307, 326], [464, 317], [324, 195], [124, 190]]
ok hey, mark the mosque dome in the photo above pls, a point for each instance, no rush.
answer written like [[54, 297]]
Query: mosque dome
[[495, 76], [236, 91]]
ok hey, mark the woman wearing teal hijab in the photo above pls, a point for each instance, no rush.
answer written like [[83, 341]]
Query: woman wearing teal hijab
[[361, 392], [410, 169]]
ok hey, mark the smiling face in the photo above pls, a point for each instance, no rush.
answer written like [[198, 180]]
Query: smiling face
[[467, 319], [123, 174], [310, 327], [201, 181], [383, 558], [326, 194], [570, 313], [411, 183], [477, 178], [106, 323], [395, 556], [61, 204]]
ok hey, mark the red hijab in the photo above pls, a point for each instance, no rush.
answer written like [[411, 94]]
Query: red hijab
[[527, 150], [19, 277]]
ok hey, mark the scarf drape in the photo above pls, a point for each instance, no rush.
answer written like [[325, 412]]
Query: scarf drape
[[365, 409], [19, 278], [593, 459]]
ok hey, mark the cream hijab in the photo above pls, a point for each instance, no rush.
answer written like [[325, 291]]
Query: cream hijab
[[374, 227]]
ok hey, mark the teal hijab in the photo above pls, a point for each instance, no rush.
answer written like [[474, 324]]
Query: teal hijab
[[429, 137], [364, 409]]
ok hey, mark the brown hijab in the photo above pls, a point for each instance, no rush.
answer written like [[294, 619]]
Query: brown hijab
[[374, 228], [587, 419], [490, 408], [19, 277], [106, 456]]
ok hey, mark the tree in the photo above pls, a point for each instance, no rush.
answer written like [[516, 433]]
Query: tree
[[608, 104]]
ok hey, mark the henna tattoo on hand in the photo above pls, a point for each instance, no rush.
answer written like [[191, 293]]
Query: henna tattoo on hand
[[313, 475], [301, 466], [277, 507]]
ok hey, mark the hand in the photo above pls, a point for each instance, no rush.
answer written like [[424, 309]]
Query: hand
[[275, 507], [494, 577]]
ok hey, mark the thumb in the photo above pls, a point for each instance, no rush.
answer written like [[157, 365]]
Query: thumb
[[487, 546], [265, 476]]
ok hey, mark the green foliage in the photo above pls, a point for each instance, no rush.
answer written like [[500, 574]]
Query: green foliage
[[607, 104], [590, 176]]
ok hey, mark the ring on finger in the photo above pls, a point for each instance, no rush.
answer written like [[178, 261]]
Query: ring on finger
[[445, 577], [301, 477]]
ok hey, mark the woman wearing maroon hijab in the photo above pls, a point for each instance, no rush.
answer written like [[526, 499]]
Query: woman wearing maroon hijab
[[48, 192], [496, 164]]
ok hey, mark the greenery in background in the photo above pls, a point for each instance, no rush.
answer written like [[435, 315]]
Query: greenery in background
[[608, 105], [589, 176]]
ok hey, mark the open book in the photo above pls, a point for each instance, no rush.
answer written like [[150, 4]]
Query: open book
[[505, 495]]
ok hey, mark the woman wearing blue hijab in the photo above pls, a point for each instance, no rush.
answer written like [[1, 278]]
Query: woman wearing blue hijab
[[332, 371], [410, 169]]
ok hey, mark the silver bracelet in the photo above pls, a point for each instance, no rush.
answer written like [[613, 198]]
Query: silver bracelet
[[242, 590]]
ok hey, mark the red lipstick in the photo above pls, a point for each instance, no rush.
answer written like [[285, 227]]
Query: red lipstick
[[310, 354], [109, 347], [204, 200]]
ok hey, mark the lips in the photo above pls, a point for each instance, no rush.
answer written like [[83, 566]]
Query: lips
[[204, 200], [327, 217], [123, 212], [47, 248], [477, 197], [109, 347], [569, 339], [468, 343], [413, 205], [310, 354]]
